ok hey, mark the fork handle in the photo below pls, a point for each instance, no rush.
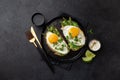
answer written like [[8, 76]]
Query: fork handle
[[35, 44]]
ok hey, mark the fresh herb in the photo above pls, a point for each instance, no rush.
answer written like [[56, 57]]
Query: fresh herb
[[73, 46], [63, 45], [76, 39], [55, 44], [69, 21], [90, 31], [74, 24], [67, 37], [51, 28], [70, 35], [60, 48], [60, 40], [64, 22]]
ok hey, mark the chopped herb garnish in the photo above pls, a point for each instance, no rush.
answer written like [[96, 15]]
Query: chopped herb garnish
[[73, 46], [70, 35], [60, 40], [61, 49], [67, 37], [76, 39], [79, 39], [63, 45], [69, 21], [51, 28], [74, 23]]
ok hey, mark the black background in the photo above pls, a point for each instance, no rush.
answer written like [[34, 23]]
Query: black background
[[19, 60]]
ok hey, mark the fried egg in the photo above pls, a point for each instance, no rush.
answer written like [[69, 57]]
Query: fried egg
[[74, 36], [56, 44]]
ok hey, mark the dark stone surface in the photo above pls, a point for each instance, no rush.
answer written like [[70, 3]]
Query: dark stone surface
[[19, 60]]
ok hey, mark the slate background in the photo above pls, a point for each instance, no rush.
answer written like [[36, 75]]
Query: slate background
[[19, 60]]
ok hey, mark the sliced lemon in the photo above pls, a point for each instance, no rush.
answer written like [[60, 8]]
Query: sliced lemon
[[87, 59], [89, 54]]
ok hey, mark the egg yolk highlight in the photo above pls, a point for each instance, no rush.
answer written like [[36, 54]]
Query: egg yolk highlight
[[53, 38], [74, 31]]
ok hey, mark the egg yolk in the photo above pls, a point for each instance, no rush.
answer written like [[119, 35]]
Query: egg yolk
[[53, 38], [74, 31]]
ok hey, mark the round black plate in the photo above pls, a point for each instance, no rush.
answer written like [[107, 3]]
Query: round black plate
[[72, 55]]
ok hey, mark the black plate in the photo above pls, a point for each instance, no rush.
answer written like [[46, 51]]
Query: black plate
[[72, 55]]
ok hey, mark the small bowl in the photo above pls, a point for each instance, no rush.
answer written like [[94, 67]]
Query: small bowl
[[94, 45], [38, 19]]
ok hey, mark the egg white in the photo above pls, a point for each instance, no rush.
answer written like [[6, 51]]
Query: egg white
[[59, 52], [80, 36]]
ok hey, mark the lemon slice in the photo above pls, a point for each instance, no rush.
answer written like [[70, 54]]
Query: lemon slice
[[89, 54], [87, 59]]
